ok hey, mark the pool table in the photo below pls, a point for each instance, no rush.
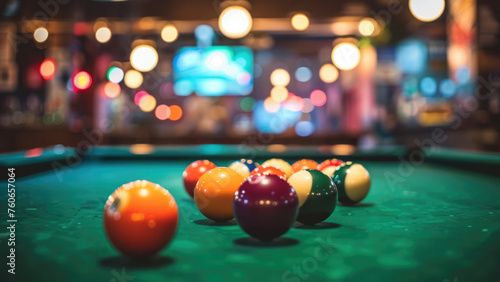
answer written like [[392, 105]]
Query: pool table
[[431, 215]]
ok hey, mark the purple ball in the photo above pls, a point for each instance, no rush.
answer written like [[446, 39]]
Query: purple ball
[[265, 206]]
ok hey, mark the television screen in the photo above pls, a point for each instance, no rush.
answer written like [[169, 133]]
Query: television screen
[[213, 71]]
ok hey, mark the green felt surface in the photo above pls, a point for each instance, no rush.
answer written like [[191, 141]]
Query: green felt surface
[[430, 224]]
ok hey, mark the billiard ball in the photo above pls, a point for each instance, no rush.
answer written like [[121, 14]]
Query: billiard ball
[[317, 195], [328, 167], [266, 170], [280, 164], [140, 218], [304, 164], [193, 173], [244, 167], [265, 206], [353, 182], [214, 193]]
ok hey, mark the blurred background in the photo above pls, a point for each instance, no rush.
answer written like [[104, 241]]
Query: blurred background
[[359, 74]]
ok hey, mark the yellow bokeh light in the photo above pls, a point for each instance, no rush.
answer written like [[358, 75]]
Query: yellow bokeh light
[[103, 34], [300, 22], [147, 103], [346, 56], [144, 58], [343, 149], [280, 77], [235, 22], [427, 10], [41, 34], [271, 106], [279, 93], [141, 149], [169, 33], [366, 27], [133, 79], [82, 80], [328, 73]]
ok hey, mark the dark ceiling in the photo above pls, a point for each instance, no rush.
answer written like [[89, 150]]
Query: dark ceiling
[[401, 23], [179, 10]]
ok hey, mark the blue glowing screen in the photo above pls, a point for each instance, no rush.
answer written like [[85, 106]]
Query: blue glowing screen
[[213, 71]]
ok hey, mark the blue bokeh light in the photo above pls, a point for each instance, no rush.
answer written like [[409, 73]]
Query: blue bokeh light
[[428, 86], [304, 128], [411, 56], [462, 75], [447, 88], [274, 123], [204, 35], [303, 74]]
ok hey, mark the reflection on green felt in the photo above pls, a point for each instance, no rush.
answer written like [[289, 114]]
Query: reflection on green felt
[[433, 224]]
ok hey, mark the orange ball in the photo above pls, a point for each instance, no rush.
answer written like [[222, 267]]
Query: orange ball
[[214, 193], [140, 218], [328, 167], [304, 164], [267, 170]]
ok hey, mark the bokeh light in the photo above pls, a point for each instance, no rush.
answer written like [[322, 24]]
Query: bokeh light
[[304, 128], [411, 56], [308, 106], [235, 22], [342, 149], [328, 73], [366, 27], [275, 123], [279, 93], [141, 149], [303, 74], [271, 106], [427, 10], [80, 28], [103, 34], [133, 79], [410, 86], [318, 98], [162, 112], [138, 96], [169, 33], [82, 80], [462, 75], [204, 35], [428, 86], [247, 104], [300, 22], [175, 112], [48, 69], [447, 87], [144, 58], [346, 56], [112, 90], [280, 77], [294, 103], [41, 34], [147, 103], [115, 74]]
